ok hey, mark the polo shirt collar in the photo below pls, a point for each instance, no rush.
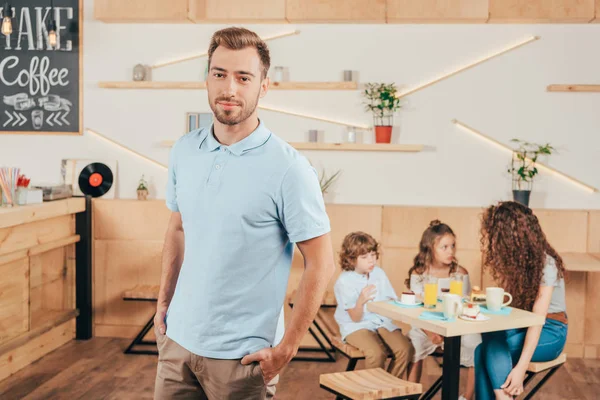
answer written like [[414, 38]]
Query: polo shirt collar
[[256, 139]]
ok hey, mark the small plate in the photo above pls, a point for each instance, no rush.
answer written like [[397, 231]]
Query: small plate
[[480, 318], [417, 303]]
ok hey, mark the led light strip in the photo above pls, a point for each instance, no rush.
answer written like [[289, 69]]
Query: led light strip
[[123, 147], [281, 35], [459, 70], [577, 182]]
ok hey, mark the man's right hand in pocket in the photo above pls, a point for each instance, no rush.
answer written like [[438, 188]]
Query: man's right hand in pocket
[[159, 320]]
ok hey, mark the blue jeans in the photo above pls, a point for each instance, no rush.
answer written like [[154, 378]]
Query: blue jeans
[[499, 352]]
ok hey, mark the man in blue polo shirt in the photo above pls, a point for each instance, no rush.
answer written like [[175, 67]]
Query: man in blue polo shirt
[[240, 199]]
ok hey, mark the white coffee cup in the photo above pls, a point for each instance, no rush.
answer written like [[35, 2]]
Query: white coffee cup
[[408, 298], [452, 305], [495, 298]]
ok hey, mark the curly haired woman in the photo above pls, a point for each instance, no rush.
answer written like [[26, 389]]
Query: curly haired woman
[[521, 260]]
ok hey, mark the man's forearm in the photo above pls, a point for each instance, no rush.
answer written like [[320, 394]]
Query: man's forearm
[[171, 265], [307, 303]]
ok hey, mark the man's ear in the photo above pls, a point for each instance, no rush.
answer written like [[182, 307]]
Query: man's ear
[[264, 86]]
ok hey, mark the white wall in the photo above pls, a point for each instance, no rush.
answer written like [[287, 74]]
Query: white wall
[[504, 98]]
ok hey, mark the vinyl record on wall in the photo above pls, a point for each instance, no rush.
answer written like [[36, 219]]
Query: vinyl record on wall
[[95, 179], [91, 177]]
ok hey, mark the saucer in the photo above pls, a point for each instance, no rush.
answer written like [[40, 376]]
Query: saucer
[[416, 303], [480, 318]]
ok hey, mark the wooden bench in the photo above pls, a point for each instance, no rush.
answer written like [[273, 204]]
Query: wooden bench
[[142, 293], [536, 368], [372, 383]]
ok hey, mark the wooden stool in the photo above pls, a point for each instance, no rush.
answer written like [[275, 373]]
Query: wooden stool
[[142, 293], [536, 368], [372, 383]]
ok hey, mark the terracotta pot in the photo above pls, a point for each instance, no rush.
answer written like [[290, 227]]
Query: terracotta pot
[[383, 134], [142, 194]]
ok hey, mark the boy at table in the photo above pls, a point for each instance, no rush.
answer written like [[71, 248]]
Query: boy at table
[[362, 281]]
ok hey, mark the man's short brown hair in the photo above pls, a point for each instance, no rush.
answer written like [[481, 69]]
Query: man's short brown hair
[[235, 38]]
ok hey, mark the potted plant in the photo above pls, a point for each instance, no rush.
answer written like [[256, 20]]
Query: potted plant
[[382, 101], [327, 182], [142, 189], [523, 168]]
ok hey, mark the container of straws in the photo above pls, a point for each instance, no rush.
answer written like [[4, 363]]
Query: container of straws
[[8, 184]]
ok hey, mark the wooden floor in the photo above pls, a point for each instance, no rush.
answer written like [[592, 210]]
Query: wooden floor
[[98, 369]]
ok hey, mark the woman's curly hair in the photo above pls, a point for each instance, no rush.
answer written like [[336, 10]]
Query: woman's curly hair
[[356, 244], [424, 259], [514, 251]]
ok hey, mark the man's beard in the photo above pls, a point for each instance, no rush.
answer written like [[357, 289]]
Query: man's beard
[[235, 116]]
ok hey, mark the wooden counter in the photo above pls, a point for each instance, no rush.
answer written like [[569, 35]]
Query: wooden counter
[[37, 266]]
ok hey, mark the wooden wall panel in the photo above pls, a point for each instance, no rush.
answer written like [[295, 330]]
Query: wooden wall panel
[[446, 11], [565, 230], [525, 11], [593, 243], [29, 235], [155, 11], [404, 226], [576, 306], [396, 262], [120, 265], [14, 299], [130, 219], [239, 11], [332, 11]]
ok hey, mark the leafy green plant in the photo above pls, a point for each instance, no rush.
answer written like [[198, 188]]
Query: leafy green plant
[[142, 185], [327, 182], [523, 168], [381, 100]]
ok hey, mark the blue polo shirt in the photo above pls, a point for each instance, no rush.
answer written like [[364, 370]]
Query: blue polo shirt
[[243, 207]]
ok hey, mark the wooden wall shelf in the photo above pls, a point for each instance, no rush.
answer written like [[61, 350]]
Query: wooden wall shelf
[[409, 148], [202, 85], [573, 88]]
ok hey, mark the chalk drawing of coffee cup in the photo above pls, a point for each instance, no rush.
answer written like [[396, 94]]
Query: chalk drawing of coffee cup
[[37, 118]]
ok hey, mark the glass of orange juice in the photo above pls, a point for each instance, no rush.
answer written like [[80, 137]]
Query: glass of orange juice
[[431, 291], [456, 283]]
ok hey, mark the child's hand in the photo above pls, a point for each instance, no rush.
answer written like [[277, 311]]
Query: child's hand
[[434, 337], [368, 293]]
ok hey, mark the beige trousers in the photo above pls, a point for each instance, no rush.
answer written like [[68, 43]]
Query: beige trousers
[[181, 374], [376, 346]]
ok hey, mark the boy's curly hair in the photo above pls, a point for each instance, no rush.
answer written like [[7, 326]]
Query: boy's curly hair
[[356, 244]]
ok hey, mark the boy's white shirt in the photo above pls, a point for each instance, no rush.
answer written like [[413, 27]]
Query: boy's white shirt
[[347, 289]]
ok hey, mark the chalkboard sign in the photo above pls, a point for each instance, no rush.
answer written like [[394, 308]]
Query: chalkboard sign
[[40, 85]]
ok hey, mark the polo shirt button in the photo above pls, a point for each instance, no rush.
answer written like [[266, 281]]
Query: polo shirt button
[[217, 166]]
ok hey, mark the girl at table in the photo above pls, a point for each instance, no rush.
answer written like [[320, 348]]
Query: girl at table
[[362, 281], [437, 257], [520, 260]]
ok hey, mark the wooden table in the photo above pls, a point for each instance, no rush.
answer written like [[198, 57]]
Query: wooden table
[[452, 331]]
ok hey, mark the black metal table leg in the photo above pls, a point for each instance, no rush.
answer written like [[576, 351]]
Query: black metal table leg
[[451, 368]]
